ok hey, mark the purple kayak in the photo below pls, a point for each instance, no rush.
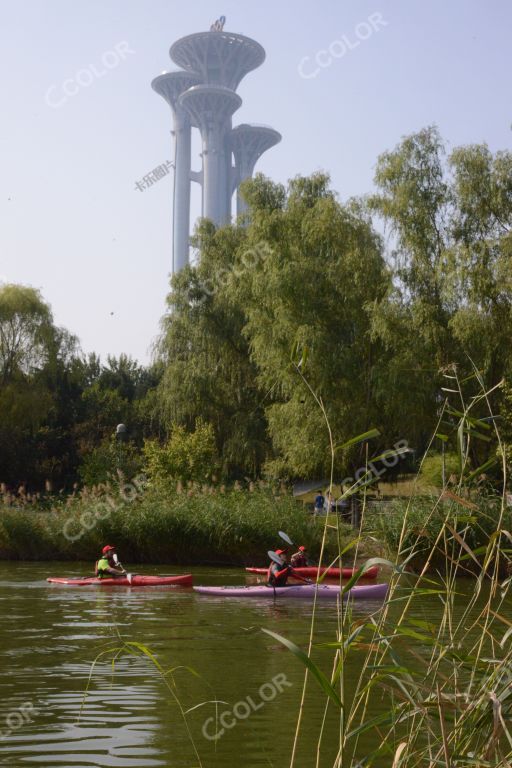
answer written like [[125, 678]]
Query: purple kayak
[[325, 591]]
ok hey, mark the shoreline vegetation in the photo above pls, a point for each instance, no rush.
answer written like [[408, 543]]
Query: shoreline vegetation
[[196, 525], [233, 526]]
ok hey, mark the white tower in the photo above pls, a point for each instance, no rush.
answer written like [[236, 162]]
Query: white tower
[[203, 95]]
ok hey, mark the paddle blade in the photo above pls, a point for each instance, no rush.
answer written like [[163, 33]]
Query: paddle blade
[[275, 557], [286, 538]]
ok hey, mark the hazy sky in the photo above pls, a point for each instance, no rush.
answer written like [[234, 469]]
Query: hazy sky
[[72, 222]]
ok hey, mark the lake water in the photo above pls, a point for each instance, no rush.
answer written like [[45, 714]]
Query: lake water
[[51, 634]]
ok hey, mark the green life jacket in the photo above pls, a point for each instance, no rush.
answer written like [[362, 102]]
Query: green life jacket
[[101, 567]]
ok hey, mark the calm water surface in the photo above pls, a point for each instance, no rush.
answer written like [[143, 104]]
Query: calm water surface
[[51, 634]]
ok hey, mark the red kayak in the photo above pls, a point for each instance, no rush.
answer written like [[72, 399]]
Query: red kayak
[[312, 572], [136, 581]]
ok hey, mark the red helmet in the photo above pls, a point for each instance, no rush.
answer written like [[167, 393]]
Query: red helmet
[[280, 551], [302, 549], [106, 549]]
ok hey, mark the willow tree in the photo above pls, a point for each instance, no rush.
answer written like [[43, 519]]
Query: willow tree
[[208, 371], [315, 286], [482, 257], [28, 340], [451, 221], [302, 270]]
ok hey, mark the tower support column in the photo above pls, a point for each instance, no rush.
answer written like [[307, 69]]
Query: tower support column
[[210, 109], [181, 197], [170, 86]]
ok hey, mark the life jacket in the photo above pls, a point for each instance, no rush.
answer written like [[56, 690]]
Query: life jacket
[[100, 568], [277, 575]]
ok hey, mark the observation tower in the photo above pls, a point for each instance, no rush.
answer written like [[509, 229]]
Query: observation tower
[[248, 143], [202, 95]]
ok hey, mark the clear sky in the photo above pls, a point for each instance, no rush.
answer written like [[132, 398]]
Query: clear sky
[[72, 222]]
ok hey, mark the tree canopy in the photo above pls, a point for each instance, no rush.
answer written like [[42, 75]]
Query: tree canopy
[[383, 296]]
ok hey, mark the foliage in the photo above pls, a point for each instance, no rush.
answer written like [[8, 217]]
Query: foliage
[[426, 517], [432, 469], [208, 370], [25, 331], [185, 456], [59, 409], [505, 427], [199, 524], [380, 325], [451, 221], [303, 268], [32, 349], [109, 460], [322, 274], [391, 327]]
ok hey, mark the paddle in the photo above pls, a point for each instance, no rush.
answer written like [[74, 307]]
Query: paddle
[[279, 561], [116, 560], [275, 558], [286, 538]]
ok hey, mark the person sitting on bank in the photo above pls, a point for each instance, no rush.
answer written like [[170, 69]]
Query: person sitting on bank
[[107, 566], [277, 575], [299, 559]]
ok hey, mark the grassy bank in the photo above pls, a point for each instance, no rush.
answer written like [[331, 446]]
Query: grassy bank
[[200, 525], [229, 527]]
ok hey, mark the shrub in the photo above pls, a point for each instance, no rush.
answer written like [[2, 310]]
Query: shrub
[[432, 469], [186, 455]]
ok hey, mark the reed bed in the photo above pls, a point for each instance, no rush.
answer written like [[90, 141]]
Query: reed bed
[[191, 525], [428, 693]]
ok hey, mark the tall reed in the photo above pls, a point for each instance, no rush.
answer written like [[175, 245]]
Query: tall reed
[[428, 693], [161, 525]]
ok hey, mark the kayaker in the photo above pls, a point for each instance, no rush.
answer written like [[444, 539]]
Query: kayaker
[[107, 567], [277, 575], [299, 559]]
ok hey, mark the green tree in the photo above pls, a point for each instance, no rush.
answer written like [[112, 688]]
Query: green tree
[[185, 456], [110, 461], [30, 347], [58, 407], [450, 220], [208, 370], [482, 257], [415, 200], [26, 327], [315, 284]]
